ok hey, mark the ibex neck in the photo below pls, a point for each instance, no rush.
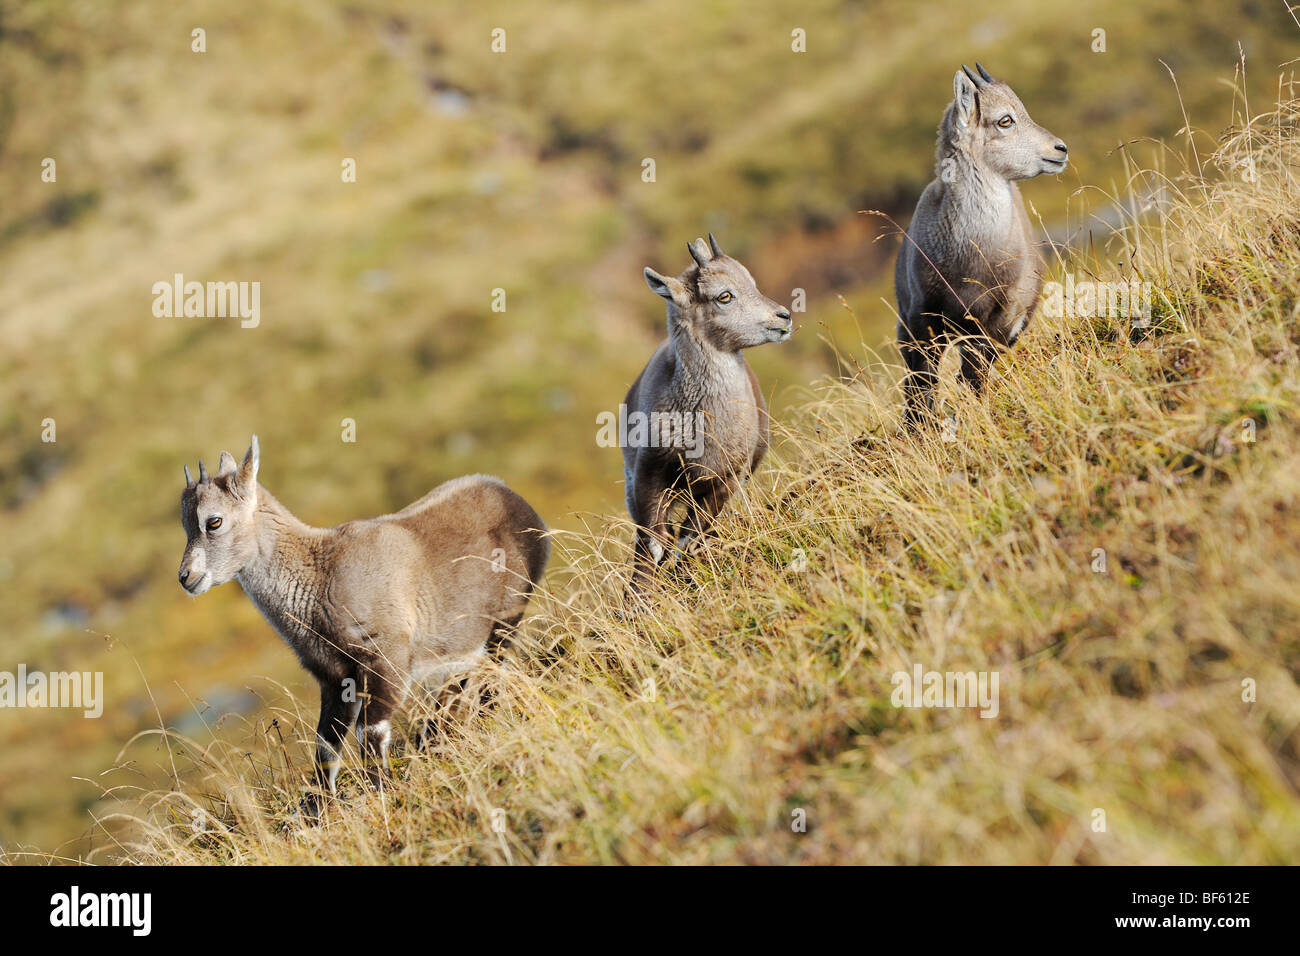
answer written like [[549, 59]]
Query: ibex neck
[[285, 579], [700, 367], [976, 201]]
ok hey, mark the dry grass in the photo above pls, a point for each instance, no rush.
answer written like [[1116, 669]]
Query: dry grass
[[1121, 690], [376, 294]]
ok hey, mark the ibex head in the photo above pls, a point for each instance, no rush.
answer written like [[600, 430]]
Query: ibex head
[[988, 122], [717, 300], [218, 513]]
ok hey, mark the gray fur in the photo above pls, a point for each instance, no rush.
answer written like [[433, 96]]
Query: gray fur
[[700, 369], [969, 266]]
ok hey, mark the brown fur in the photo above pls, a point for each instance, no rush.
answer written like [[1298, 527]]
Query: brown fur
[[374, 605]]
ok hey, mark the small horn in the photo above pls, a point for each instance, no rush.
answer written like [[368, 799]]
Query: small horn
[[189, 482], [984, 73], [697, 253], [971, 76], [203, 471], [717, 249]]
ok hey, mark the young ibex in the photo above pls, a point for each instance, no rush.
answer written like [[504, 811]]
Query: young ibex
[[969, 265], [370, 606], [709, 426]]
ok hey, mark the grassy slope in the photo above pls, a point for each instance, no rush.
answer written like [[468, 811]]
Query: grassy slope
[[1121, 690], [375, 295]]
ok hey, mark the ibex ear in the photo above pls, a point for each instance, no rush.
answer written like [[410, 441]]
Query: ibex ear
[[248, 470], [666, 287], [963, 97], [226, 466]]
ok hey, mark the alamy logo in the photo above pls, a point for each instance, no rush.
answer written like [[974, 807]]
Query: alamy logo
[[1095, 299], [923, 688], [57, 689], [74, 908], [212, 300], [636, 429]]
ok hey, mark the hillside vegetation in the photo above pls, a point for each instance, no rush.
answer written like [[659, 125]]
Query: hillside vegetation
[[1158, 688], [522, 171]]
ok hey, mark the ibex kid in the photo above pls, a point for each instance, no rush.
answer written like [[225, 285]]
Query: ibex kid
[[709, 425], [969, 266], [370, 606]]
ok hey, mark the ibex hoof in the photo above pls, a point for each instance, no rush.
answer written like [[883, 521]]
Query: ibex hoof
[[309, 810], [636, 603]]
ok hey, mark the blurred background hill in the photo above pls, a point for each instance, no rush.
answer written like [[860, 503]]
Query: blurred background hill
[[476, 171]]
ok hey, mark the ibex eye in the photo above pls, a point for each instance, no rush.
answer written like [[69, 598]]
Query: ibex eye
[[1005, 122], [214, 523], [725, 297]]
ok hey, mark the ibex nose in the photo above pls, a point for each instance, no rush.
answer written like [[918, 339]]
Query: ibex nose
[[184, 576], [783, 313], [1060, 148]]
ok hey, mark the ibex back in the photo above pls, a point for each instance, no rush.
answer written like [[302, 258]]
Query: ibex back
[[969, 266]]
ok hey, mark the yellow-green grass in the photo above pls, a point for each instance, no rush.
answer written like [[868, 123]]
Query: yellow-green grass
[[1148, 706], [375, 295]]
